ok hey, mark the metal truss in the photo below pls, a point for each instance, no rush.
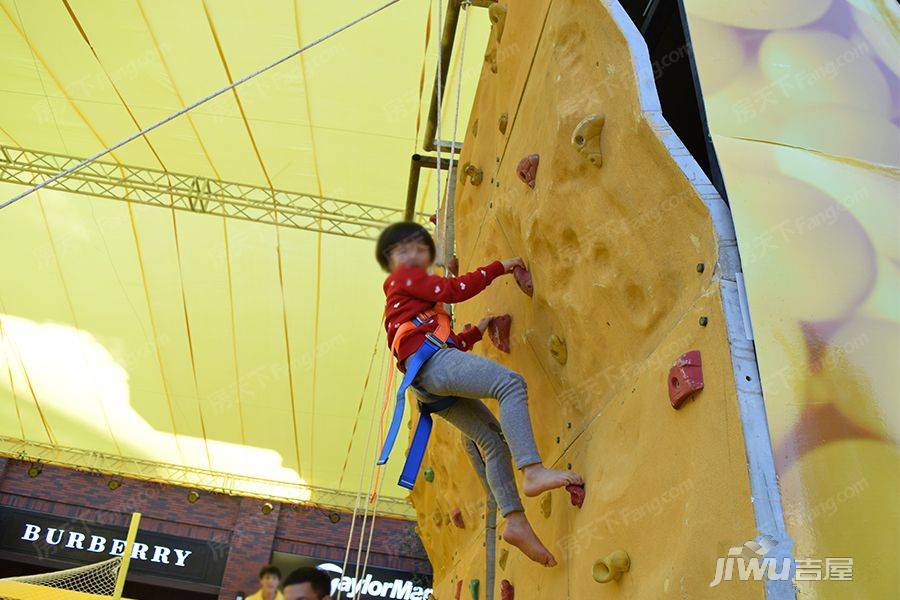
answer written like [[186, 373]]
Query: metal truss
[[200, 194], [196, 478]]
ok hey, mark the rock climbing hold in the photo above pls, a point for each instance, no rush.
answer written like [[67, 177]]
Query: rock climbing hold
[[457, 518], [437, 517], [472, 173], [475, 128], [558, 349], [428, 474], [507, 591], [523, 280], [458, 589], [547, 505], [453, 266], [491, 59], [703, 321], [498, 331], [473, 589], [497, 15], [701, 267], [586, 138], [503, 122], [685, 378], [433, 219], [527, 169], [611, 567], [501, 558], [576, 494]]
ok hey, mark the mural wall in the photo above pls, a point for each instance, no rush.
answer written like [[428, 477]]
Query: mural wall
[[803, 102]]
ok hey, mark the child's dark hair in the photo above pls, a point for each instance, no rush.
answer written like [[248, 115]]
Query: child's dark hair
[[399, 233], [270, 570]]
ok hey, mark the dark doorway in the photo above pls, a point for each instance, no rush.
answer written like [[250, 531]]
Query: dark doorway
[[663, 25]]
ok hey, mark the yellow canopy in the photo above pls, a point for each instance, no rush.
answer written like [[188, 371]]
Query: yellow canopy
[[201, 348]]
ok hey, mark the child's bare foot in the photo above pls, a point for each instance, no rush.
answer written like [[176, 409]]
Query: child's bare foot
[[539, 479], [519, 533]]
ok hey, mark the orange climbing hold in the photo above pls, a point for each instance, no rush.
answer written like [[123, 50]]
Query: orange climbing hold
[[523, 280], [457, 518], [527, 169], [576, 494], [498, 331]]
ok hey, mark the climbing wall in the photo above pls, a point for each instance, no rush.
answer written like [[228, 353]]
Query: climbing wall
[[625, 265]]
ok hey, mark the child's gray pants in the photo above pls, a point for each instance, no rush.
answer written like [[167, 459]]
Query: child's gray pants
[[469, 377]]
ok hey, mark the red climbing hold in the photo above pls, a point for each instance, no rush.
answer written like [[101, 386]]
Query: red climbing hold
[[507, 592], [527, 169], [433, 219], [576, 493], [498, 331], [685, 378], [458, 589], [457, 518], [523, 280], [453, 266]]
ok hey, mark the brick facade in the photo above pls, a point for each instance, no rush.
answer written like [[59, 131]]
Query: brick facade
[[251, 535]]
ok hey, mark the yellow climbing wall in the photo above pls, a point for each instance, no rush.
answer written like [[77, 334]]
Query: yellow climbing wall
[[614, 248]]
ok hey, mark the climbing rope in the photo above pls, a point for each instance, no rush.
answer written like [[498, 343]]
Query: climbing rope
[[371, 530], [194, 105], [356, 506], [437, 123], [462, 56]]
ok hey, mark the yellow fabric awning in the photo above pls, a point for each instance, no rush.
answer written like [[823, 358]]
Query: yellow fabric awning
[[192, 348]]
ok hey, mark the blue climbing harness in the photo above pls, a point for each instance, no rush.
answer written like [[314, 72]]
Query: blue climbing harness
[[419, 442]]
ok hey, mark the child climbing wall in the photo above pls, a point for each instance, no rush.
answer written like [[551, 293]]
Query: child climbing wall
[[451, 382]]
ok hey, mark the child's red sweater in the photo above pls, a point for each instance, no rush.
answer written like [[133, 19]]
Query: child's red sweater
[[411, 290]]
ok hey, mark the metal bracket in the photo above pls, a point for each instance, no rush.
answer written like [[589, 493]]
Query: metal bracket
[[472, 173]]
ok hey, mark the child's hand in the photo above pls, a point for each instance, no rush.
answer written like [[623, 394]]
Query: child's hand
[[511, 263], [484, 323]]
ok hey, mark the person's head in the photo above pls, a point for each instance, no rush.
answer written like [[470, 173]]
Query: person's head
[[404, 244], [307, 583], [269, 577]]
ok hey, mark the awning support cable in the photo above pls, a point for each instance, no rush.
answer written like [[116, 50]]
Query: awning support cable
[[194, 105]]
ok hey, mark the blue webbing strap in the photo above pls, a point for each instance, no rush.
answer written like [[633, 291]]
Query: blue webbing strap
[[416, 451], [420, 441], [423, 427], [413, 364]]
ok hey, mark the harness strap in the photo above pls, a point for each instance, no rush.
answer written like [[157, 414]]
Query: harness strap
[[441, 332], [433, 342]]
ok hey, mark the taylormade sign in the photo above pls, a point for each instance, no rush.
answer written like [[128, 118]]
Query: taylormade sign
[[372, 587]]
